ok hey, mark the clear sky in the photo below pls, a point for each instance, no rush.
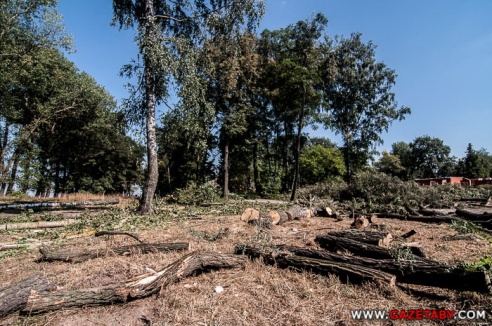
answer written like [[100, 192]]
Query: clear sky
[[441, 51]]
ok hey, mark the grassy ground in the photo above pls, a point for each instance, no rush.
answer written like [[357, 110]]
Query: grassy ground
[[255, 295]]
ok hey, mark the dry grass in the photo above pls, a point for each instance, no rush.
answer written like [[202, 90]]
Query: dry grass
[[255, 295]]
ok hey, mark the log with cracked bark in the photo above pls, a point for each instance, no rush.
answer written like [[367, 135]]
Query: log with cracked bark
[[358, 248], [348, 273], [421, 272], [50, 254], [14, 297], [381, 239], [136, 288]]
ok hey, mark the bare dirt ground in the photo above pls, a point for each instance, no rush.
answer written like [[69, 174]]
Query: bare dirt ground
[[255, 295]]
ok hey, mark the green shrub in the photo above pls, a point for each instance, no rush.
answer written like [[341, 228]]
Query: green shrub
[[197, 194]]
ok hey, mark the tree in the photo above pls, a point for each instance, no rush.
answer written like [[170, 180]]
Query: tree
[[361, 105], [319, 164], [293, 78], [476, 164], [389, 164], [166, 30], [430, 158]]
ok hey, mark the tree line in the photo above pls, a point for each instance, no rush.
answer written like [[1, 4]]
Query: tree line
[[245, 100]]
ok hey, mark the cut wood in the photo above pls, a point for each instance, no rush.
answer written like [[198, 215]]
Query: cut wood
[[420, 272], [38, 225], [373, 219], [334, 244], [250, 214], [436, 212], [381, 239], [297, 212], [347, 273], [473, 215], [323, 211], [264, 221], [137, 288], [408, 234], [423, 219], [360, 223], [278, 218], [58, 204], [50, 254], [14, 297]]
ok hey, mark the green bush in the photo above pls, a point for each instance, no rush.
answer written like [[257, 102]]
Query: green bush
[[197, 194]]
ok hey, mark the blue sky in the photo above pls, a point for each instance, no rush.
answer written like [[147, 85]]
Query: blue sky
[[441, 51]]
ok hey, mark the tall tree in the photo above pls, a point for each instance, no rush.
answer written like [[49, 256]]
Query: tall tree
[[476, 164], [361, 105], [294, 78], [430, 158], [164, 29]]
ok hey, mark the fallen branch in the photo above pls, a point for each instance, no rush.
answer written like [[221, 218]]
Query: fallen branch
[[38, 225], [141, 287], [381, 239], [420, 272], [134, 236], [346, 272], [14, 297], [76, 257]]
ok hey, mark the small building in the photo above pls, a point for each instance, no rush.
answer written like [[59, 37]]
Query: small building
[[477, 181], [439, 181]]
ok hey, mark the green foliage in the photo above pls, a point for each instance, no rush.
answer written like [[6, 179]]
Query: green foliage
[[320, 164], [483, 264], [361, 105], [465, 227], [389, 164], [476, 164], [430, 158], [195, 194]]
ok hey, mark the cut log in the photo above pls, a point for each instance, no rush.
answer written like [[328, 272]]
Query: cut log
[[278, 218], [347, 273], [373, 219], [250, 214], [334, 244], [14, 297], [264, 221], [141, 287], [58, 204], [477, 215], [38, 225], [423, 219], [360, 223], [408, 234], [297, 212], [436, 212], [48, 254], [420, 272], [415, 248], [381, 239], [322, 211]]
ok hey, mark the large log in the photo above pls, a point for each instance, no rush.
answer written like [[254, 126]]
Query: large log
[[141, 287], [423, 219], [297, 212], [49, 254], [334, 244], [347, 273], [420, 272], [14, 297], [278, 218], [381, 239], [38, 225], [58, 204], [474, 216]]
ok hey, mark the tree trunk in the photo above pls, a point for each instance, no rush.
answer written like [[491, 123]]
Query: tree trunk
[[479, 215], [293, 195], [225, 192], [256, 170], [13, 174], [152, 175], [332, 243], [427, 273], [81, 256], [146, 285], [15, 296], [380, 239], [346, 272]]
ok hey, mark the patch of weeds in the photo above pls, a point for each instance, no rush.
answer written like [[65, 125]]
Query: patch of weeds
[[210, 236], [483, 264], [464, 227], [14, 252], [197, 194]]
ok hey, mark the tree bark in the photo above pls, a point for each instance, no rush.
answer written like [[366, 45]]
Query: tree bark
[[293, 195], [332, 243], [420, 272], [380, 239], [225, 193], [347, 273], [14, 297], [144, 286], [152, 174], [77, 257], [473, 216]]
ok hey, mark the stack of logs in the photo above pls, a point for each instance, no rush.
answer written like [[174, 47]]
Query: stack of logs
[[357, 256]]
